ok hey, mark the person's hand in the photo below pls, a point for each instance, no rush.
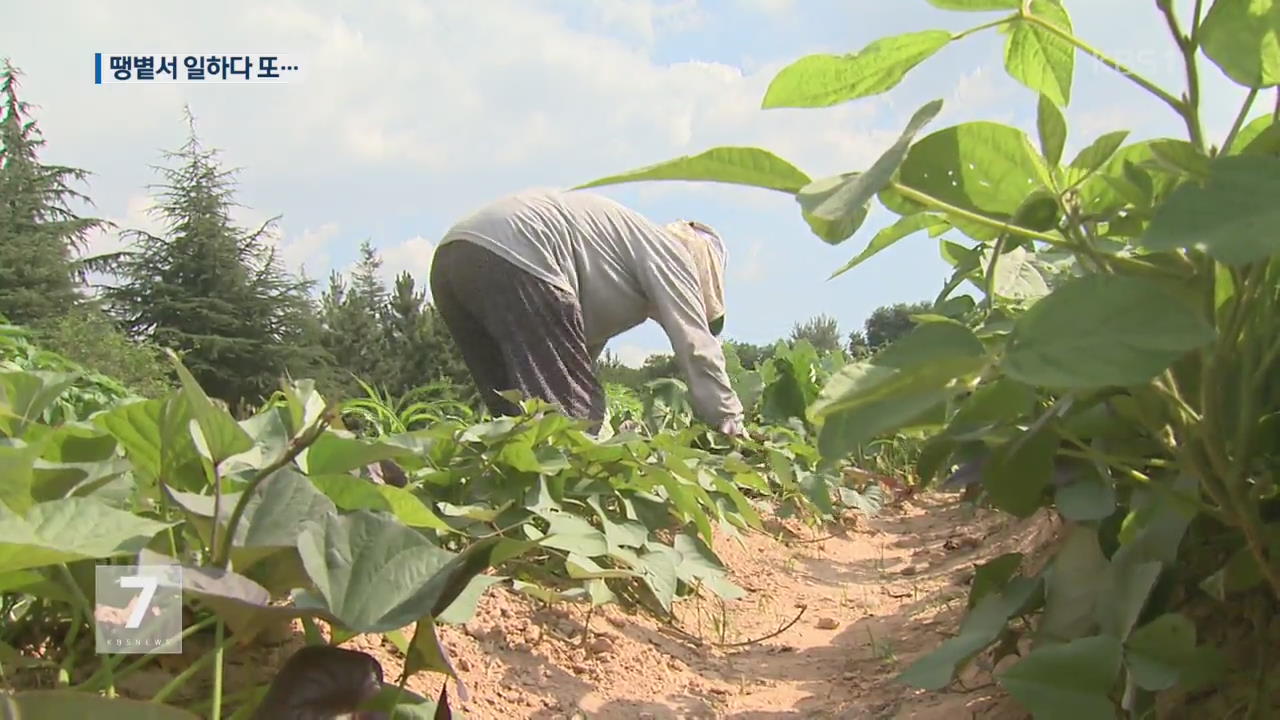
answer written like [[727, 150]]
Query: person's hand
[[732, 427]]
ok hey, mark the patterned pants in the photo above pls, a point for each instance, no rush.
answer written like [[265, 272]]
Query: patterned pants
[[515, 331]]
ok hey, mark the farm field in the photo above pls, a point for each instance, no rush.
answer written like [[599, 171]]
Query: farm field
[[1052, 490]]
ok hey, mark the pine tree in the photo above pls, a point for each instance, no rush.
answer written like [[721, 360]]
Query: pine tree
[[39, 233], [215, 292], [352, 314]]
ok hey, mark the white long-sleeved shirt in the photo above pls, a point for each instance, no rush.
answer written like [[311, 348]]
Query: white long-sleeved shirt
[[622, 268]]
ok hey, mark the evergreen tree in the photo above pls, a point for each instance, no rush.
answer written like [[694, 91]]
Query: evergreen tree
[[212, 291], [353, 324], [858, 348], [39, 233], [418, 341]]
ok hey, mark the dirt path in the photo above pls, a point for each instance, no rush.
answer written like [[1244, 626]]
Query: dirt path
[[875, 596]]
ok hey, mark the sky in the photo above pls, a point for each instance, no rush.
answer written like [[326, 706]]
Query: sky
[[407, 115]]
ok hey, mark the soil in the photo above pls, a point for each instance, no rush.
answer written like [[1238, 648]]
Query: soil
[[871, 598]]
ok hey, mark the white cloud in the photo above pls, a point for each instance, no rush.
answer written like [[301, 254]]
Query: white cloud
[[138, 215], [769, 7], [749, 267], [308, 253]]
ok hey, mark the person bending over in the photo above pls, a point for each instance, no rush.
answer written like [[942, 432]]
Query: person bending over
[[533, 285]]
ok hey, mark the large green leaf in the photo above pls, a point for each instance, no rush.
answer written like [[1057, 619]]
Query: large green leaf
[[222, 435], [1052, 128], [836, 211], [1038, 58], [59, 704], [980, 166], [905, 226], [354, 493], [73, 528], [1072, 585], [1067, 682], [375, 575], [1243, 38], [734, 165], [1232, 217], [17, 472], [24, 396], [824, 80], [156, 437], [334, 453], [1018, 278], [1097, 154], [906, 379], [1160, 651], [980, 628], [1017, 473], [1103, 330]]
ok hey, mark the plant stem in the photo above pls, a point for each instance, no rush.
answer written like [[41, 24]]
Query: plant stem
[[84, 609], [216, 711], [1190, 109], [108, 667], [943, 206], [1239, 122], [985, 26], [991, 273], [1098, 55]]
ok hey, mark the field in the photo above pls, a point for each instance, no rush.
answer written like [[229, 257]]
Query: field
[[1052, 493]]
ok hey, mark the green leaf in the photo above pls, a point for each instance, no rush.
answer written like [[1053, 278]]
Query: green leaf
[[223, 436], [156, 437], [369, 570], [733, 165], [1089, 499], [1038, 58], [573, 534], [68, 529], [56, 704], [1052, 127], [836, 211], [980, 628], [17, 473], [993, 576], [25, 395], [461, 610], [979, 166], [906, 379], [1260, 136], [1102, 330], [1181, 156], [1158, 653], [824, 80], [353, 493], [426, 652], [277, 509], [1232, 217], [1096, 155], [908, 225], [1242, 37], [1068, 681], [333, 453], [1125, 589], [1071, 587], [976, 5], [1017, 473], [1017, 278]]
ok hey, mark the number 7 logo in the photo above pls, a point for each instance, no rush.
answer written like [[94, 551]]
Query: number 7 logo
[[148, 585]]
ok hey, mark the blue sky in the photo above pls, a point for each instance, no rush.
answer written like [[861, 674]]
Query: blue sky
[[411, 113]]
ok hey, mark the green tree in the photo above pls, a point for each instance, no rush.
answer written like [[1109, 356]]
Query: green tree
[[750, 354], [418, 343], [212, 291], [822, 332], [352, 311], [39, 233], [890, 322], [858, 348]]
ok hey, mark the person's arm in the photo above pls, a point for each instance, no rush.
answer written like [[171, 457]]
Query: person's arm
[[670, 284]]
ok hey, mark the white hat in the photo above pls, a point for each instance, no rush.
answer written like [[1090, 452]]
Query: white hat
[[709, 258]]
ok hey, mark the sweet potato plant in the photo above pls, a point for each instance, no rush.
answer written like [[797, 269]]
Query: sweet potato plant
[[1107, 346]]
